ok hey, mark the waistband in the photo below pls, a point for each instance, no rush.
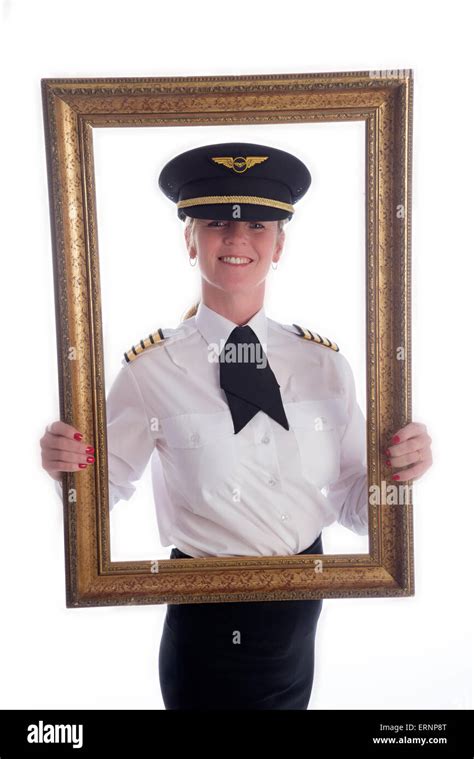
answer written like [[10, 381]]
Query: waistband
[[316, 547]]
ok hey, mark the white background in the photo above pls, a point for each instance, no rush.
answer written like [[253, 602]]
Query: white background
[[146, 281], [370, 653]]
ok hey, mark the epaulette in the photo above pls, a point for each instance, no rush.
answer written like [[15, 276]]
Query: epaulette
[[306, 333], [154, 339]]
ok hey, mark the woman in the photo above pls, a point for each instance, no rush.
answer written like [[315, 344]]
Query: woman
[[251, 420]]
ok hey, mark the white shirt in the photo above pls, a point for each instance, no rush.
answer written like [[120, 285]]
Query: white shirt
[[263, 491]]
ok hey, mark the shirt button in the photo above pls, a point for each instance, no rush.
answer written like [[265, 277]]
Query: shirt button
[[272, 481], [194, 437], [265, 439], [284, 516]]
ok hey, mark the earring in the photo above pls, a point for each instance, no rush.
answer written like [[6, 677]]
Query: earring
[[193, 259], [274, 267]]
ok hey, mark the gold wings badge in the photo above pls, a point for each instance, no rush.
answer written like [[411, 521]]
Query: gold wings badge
[[240, 164]]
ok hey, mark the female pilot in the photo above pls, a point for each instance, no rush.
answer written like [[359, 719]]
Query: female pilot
[[255, 425]]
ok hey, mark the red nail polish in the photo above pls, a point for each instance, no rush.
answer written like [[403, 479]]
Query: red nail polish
[[90, 459], [387, 452], [388, 463], [395, 439], [89, 449], [82, 466], [77, 436], [396, 477]]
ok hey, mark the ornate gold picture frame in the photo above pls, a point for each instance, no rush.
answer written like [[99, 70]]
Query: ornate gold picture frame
[[73, 108]]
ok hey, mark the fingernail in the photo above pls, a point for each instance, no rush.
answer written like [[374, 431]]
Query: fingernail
[[388, 463], [396, 477], [77, 436], [89, 449], [90, 459], [82, 466], [395, 439], [387, 452]]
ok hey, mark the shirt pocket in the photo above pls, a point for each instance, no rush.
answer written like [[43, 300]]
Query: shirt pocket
[[317, 427], [201, 449]]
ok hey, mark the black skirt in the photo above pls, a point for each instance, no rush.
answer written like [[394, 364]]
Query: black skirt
[[239, 655]]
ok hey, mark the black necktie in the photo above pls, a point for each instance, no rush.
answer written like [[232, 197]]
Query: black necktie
[[248, 381]]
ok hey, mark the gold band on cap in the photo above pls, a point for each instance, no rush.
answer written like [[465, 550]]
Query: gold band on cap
[[253, 199]]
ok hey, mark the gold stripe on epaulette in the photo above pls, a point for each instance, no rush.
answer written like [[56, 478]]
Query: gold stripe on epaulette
[[152, 339], [308, 335]]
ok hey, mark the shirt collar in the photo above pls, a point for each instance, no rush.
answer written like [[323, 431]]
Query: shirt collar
[[216, 328]]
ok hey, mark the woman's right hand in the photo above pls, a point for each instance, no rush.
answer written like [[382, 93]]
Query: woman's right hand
[[62, 450]]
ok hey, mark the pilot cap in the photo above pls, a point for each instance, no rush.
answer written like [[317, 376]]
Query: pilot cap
[[235, 181]]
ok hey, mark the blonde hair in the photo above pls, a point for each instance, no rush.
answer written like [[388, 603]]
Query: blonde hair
[[189, 222]]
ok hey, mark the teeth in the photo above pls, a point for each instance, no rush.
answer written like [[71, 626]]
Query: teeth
[[234, 260]]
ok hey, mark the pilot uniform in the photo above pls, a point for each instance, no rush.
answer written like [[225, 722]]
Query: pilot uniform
[[255, 493], [239, 480]]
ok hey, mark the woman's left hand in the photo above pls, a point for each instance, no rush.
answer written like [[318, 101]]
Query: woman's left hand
[[410, 445]]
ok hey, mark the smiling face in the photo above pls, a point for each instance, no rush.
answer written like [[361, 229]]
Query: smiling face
[[234, 256]]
